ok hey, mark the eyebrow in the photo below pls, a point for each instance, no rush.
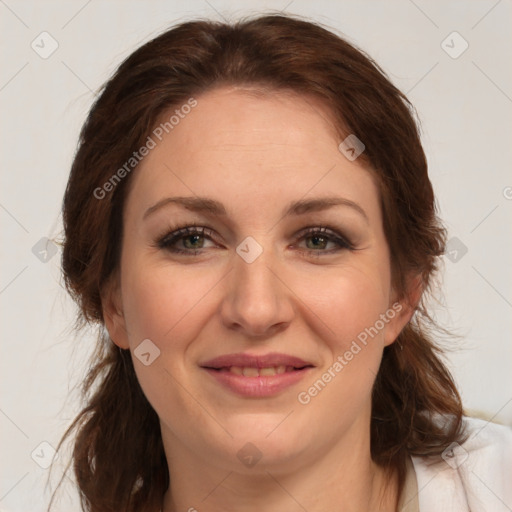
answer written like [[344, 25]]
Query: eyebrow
[[215, 208]]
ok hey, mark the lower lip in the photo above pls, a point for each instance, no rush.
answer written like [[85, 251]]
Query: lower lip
[[258, 387]]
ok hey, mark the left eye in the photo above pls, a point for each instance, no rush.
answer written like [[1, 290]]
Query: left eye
[[321, 237], [192, 240]]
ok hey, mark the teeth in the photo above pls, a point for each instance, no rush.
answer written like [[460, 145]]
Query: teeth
[[255, 372], [250, 372]]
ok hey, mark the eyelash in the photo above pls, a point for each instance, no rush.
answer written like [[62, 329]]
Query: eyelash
[[165, 242]]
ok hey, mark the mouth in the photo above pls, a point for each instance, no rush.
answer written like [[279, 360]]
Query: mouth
[[257, 376], [251, 371]]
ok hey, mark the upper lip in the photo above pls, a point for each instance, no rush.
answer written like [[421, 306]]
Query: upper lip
[[255, 361]]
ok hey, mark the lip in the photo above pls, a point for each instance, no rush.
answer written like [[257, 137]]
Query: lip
[[260, 386]]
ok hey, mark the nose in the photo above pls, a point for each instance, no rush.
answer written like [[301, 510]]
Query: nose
[[257, 302]]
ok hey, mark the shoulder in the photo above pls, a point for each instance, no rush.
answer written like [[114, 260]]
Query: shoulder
[[488, 439], [473, 476]]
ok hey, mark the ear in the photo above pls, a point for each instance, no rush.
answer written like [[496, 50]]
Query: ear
[[403, 309], [113, 315]]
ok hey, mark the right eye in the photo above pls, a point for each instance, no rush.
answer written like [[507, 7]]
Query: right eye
[[191, 239]]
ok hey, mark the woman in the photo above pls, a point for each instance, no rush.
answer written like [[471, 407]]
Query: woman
[[250, 223]]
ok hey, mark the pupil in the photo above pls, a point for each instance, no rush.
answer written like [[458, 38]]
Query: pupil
[[316, 239], [196, 237]]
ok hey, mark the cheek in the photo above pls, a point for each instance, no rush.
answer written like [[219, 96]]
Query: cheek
[[167, 306], [164, 302], [348, 302], [351, 306]]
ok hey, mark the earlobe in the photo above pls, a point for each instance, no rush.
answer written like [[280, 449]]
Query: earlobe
[[113, 315], [404, 309]]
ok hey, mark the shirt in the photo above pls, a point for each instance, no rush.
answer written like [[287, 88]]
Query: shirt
[[473, 477], [409, 498]]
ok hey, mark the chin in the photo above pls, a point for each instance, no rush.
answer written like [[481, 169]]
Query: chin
[[262, 443]]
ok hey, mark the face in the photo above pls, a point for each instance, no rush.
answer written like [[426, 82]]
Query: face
[[254, 267]]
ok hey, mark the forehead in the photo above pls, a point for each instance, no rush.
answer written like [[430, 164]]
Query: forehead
[[250, 146]]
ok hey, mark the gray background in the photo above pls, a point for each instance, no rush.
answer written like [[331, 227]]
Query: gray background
[[465, 107]]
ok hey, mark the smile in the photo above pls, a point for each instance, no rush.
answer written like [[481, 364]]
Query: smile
[[257, 376], [249, 371]]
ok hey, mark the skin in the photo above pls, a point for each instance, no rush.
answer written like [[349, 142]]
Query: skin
[[256, 153]]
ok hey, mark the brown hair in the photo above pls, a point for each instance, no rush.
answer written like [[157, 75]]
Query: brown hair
[[119, 463]]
